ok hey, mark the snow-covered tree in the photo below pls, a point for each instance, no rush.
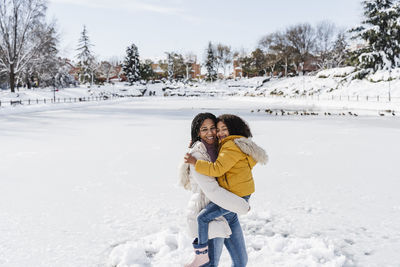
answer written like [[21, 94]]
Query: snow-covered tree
[[211, 63], [190, 59], [170, 66], [381, 32], [340, 51], [86, 58], [45, 67], [146, 71], [224, 57], [324, 44], [21, 21], [174, 66], [131, 65]]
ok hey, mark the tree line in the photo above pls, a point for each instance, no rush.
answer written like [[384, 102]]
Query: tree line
[[29, 54]]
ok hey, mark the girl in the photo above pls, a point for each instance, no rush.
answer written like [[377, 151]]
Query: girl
[[237, 156], [205, 188]]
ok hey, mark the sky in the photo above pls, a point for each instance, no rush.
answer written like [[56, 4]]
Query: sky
[[183, 26]]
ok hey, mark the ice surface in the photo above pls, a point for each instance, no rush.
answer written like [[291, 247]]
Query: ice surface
[[94, 184]]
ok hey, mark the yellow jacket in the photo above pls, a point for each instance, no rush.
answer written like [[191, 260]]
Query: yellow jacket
[[233, 167]]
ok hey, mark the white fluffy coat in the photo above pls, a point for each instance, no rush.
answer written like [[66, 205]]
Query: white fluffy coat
[[204, 189]]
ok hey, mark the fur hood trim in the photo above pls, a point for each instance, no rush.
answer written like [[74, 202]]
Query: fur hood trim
[[252, 149]]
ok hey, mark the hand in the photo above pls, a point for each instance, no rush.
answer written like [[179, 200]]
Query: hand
[[190, 159]]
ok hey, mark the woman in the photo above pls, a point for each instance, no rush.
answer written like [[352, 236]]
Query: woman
[[206, 189], [237, 156]]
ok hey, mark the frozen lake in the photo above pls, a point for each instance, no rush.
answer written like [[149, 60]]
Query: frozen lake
[[96, 185]]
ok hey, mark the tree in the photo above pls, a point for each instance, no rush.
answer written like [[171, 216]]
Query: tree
[[105, 69], [278, 44], [324, 44], [174, 66], [381, 32], [190, 59], [300, 39], [47, 65], [272, 61], [85, 57], [339, 51], [170, 66], [211, 63], [20, 23], [260, 64], [131, 65], [146, 71], [224, 57]]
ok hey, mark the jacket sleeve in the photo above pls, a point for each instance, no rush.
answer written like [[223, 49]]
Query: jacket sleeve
[[219, 195], [227, 157]]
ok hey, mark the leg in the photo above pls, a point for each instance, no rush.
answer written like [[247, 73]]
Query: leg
[[235, 244], [201, 249], [209, 213], [215, 250]]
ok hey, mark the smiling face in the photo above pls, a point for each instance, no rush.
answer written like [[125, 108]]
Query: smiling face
[[222, 130], [208, 131]]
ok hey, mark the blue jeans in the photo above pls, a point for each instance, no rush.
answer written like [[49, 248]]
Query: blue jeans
[[209, 213], [234, 244]]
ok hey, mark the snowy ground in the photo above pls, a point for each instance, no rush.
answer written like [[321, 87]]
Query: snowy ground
[[94, 184]]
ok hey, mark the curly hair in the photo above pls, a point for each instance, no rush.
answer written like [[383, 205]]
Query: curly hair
[[236, 125], [196, 124]]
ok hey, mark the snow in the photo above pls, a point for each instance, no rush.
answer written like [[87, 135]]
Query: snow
[[336, 72], [94, 183]]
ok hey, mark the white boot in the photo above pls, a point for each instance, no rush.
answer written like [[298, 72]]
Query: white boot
[[200, 258]]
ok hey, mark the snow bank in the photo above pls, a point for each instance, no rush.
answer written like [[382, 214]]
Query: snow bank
[[383, 75], [335, 72]]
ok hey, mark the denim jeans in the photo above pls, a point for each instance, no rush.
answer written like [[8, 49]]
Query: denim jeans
[[209, 213], [234, 244]]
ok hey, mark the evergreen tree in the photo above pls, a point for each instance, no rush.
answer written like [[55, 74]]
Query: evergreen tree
[[131, 65], [381, 32], [211, 63], [170, 70], [146, 72], [86, 59]]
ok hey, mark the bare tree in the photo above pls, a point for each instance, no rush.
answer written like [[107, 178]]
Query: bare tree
[[224, 57], [324, 43], [278, 44], [301, 39], [20, 21], [105, 69], [45, 66], [190, 59], [340, 52]]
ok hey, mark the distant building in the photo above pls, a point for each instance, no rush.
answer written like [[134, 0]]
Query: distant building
[[196, 71], [158, 71], [74, 71], [310, 65]]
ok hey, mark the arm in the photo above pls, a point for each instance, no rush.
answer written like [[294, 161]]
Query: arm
[[219, 195], [227, 157]]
